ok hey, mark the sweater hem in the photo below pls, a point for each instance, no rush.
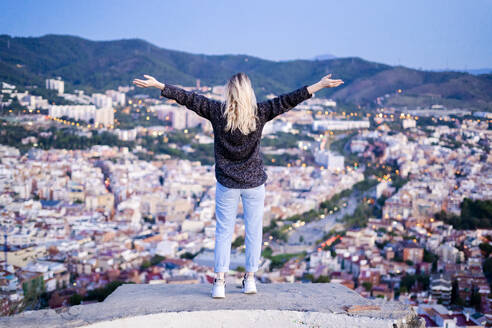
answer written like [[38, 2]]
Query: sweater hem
[[241, 185]]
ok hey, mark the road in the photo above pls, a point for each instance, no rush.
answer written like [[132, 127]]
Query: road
[[316, 229]]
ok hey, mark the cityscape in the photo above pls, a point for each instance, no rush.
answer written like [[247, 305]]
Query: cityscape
[[103, 189]]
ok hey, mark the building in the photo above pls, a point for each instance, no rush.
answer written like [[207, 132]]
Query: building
[[179, 116], [358, 145], [126, 135], [408, 123], [412, 252], [329, 160], [483, 115], [339, 125], [100, 116], [277, 125], [101, 100], [57, 85], [441, 287], [321, 102], [118, 98]]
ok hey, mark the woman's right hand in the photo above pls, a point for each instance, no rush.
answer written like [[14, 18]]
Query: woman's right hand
[[150, 82], [325, 82]]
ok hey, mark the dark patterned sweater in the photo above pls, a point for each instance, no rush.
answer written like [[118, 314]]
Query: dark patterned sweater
[[238, 162]]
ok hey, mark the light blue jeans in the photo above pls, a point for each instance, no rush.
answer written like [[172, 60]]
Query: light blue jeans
[[226, 204]]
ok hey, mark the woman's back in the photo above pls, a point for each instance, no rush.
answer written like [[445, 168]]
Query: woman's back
[[238, 161]]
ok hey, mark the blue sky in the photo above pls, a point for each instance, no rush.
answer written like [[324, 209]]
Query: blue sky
[[428, 34]]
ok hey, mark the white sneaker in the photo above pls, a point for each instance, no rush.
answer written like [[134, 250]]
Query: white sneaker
[[218, 288], [249, 285]]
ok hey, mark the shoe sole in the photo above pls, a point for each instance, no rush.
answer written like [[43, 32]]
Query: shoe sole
[[251, 292], [218, 297]]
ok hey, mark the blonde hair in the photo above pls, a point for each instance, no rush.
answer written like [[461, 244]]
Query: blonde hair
[[240, 104]]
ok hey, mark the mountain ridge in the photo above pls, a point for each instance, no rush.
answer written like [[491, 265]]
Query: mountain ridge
[[99, 65]]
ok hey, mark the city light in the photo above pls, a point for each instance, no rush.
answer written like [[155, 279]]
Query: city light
[[374, 201]]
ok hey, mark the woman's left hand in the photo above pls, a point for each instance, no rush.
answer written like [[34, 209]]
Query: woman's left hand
[[150, 82]]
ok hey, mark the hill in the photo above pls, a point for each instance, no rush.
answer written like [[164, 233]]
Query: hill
[[99, 65]]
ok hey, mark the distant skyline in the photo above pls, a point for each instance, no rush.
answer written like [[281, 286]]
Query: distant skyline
[[420, 34]]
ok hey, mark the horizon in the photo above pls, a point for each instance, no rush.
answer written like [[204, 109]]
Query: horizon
[[460, 31], [469, 70]]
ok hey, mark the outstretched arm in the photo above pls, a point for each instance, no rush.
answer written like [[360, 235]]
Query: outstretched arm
[[193, 101], [285, 102], [273, 107]]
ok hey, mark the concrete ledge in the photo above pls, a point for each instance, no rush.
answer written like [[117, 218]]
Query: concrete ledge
[[275, 305]]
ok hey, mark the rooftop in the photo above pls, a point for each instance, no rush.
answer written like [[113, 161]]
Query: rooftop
[[275, 305]]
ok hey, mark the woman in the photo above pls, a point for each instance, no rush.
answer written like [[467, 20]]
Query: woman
[[237, 124]]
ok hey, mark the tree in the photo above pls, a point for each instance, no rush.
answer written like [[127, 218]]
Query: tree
[[367, 285], [486, 248], [187, 255], [239, 241], [408, 281], [322, 279], [145, 265], [156, 259], [475, 299], [487, 268], [455, 296], [75, 299]]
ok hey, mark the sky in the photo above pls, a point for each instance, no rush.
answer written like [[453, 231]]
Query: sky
[[423, 34]]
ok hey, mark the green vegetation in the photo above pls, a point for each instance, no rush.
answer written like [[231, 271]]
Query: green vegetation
[[64, 138], [99, 294], [171, 143], [475, 214], [408, 281], [278, 233], [388, 170], [33, 290], [67, 139], [338, 145], [188, 255], [279, 260], [320, 279], [284, 140], [119, 61], [398, 181], [486, 248], [475, 298], [430, 257], [367, 286], [75, 299], [365, 185], [239, 241], [156, 259], [487, 269], [50, 95], [278, 160], [335, 201], [455, 296], [129, 121], [359, 218]]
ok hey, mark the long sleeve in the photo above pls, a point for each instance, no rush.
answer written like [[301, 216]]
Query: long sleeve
[[281, 104], [201, 105]]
